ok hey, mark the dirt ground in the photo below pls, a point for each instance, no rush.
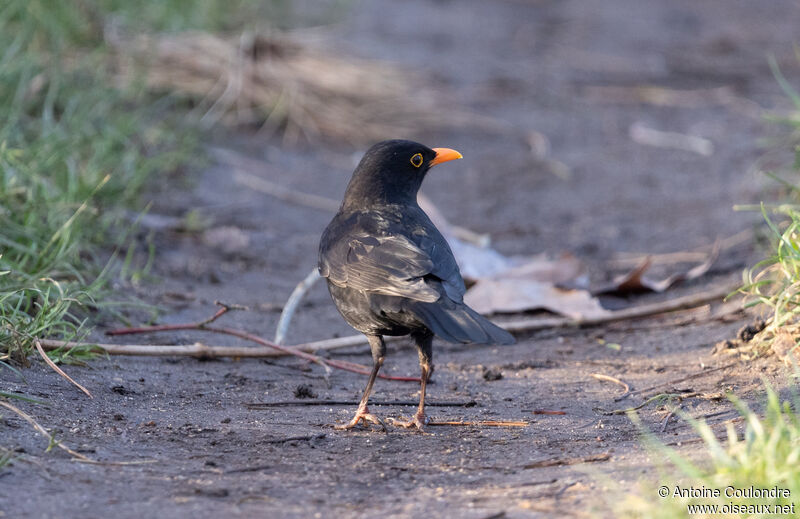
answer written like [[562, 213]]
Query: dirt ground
[[566, 69]]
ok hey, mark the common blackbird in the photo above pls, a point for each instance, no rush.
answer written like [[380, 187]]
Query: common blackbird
[[391, 272]]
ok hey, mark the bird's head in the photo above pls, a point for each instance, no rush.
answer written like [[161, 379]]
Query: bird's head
[[392, 172]]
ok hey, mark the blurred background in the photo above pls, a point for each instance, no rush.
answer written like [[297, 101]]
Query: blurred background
[[601, 129], [159, 155]]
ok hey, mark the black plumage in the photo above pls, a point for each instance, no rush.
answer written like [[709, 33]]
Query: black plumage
[[390, 271]]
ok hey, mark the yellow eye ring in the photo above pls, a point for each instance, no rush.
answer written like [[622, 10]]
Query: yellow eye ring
[[416, 160]]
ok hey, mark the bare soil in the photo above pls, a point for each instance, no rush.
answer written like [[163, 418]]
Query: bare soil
[[537, 66]]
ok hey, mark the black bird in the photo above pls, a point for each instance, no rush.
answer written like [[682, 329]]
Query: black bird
[[391, 272]]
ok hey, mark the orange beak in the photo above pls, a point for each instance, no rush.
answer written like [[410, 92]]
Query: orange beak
[[444, 154]]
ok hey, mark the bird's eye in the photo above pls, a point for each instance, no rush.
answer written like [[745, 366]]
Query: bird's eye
[[416, 160]]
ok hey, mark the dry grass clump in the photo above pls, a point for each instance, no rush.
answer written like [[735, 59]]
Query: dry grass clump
[[276, 81]]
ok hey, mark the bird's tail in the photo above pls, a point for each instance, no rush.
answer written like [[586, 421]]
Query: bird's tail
[[457, 322]]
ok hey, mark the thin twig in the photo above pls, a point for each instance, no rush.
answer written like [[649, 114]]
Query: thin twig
[[660, 397], [295, 439], [624, 259], [58, 370], [669, 415], [41, 430], [548, 412], [626, 388], [635, 312], [568, 461], [199, 325], [533, 324], [290, 403], [291, 305], [484, 423], [522, 325], [683, 379], [118, 463], [204, 326], [671, 140], [280, 192]]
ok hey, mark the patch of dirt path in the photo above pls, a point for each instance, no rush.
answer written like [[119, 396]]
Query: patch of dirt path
[[565, 69]]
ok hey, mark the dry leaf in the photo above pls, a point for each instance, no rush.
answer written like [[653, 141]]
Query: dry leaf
[[518, 295], [519, 283], [635, 281]]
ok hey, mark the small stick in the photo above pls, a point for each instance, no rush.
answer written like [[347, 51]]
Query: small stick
[[624, 259], [635, 312], [484, 423], [289, 403], [534, 324], [118, 463], [666, 418], [522, 325], [289, 308], [626, 388], [548, 412], [41, 430], [671, 140], [200, 325], [568, 461], [658, 397], [683, 379], [280, 192], [201, 351], [58, 370], [204, 326], [296, 438]]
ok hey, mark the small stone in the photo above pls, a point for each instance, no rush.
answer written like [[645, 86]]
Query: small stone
[[723, 346], [491, 374], [747, 333], [304, 391]]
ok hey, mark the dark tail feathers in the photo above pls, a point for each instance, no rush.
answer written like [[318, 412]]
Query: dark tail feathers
[[460, 323]]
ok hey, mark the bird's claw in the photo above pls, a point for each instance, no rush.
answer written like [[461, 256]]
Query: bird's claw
[[365, 416], [419, 421]]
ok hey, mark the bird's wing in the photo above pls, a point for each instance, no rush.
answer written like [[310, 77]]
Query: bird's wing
[[445, 269], [390, 265]]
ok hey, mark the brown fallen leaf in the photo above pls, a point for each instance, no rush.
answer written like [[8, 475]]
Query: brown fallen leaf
[[503, 284], [510, 295], [636, 282]]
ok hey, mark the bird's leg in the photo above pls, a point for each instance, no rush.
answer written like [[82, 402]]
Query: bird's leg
[[425, 349], [378, 353]]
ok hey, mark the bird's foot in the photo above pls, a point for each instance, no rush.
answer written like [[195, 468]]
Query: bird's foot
[[364, 415], [419, 421]]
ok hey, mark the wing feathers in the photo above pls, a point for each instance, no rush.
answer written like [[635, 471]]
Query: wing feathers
[[389, 265]]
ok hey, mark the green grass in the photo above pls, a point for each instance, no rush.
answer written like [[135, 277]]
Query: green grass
[[73, 152], [767, 456], [775, 281], [76, 150]]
